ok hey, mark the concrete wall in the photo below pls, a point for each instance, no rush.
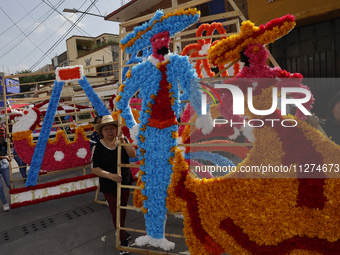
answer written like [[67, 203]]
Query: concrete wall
[[305, 11]]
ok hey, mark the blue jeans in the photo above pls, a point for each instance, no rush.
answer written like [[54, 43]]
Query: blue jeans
[[20, 163], [4, 171]]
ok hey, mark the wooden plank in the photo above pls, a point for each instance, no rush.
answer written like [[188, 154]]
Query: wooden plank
[[143, 251], [52, 72], [119, 153], [149, 16], [143, 231], [196, 145], [30, 83], [232, 3], [100, 202], [221, 144], [224, 15], [130, 187], [129, 165], [226, 68], [193, 31], [200, 38], [272, 59], [66, 170]]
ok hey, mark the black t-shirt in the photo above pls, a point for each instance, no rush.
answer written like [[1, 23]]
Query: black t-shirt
[[333, 130], [106, 159], [3, 143]]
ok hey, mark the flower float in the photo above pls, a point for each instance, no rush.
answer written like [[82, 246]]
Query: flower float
[[157, 80], [258, 212], [85, 126], [42, 107], [201, 49], [59, 153], [228, 50]]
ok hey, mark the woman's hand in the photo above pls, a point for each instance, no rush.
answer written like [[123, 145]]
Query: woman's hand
[[116, 178], [121, 137], [313, 120]]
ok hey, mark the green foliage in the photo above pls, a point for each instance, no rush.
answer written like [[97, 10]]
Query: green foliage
[[86, 115], [99, 45], [36, 78]]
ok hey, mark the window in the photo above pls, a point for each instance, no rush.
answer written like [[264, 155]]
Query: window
[[101, 70]]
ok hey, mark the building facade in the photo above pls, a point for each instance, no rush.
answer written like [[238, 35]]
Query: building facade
[[101, 51], [312, 48], [13, 87]]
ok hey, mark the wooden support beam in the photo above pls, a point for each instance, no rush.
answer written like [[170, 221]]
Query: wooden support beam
[[149, 16]]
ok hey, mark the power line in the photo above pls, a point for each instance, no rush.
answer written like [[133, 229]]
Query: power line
[[20, 31], [20, 41], [63, 37], [78, 28], [66, 19], [97, 8], [21, 19]]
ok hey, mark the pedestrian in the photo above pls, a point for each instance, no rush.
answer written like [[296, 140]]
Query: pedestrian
[[4, 171], [95, 137], [104, 165]]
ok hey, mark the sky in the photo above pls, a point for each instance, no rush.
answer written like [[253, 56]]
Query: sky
[[32, 32]]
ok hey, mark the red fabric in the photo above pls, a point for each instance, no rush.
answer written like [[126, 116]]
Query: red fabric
[[15, 106], [111, 199], [53, 197], [321, 246], [181, 191], [52, 184], [310, 183], [2, 132], [162, 115]]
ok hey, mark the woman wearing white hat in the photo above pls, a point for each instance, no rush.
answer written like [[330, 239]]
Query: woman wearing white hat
[[104, 165]]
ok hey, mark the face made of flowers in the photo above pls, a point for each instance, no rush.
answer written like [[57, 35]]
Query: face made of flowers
[[109, 131], [336, 112], [160, 45]]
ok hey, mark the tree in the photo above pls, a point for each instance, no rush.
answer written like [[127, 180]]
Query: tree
[[36, 78]]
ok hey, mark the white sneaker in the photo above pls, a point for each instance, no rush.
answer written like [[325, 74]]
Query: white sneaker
[[5, 207]]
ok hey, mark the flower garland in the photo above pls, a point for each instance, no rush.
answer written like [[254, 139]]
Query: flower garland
[[148, 73], [264, 214], [238, 151], [69, 74], [212, 157], [49, 185], [39, 151], [84, 126], [228, 50], [201, 49], [241, 220], [59, 153], [203, 174], [52, 184], [111, 101], [157, 82], [185, 118], [62, 109], [190, 129], [173, 22]]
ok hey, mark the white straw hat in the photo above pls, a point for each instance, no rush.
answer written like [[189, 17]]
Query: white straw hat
[[106, 120]]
